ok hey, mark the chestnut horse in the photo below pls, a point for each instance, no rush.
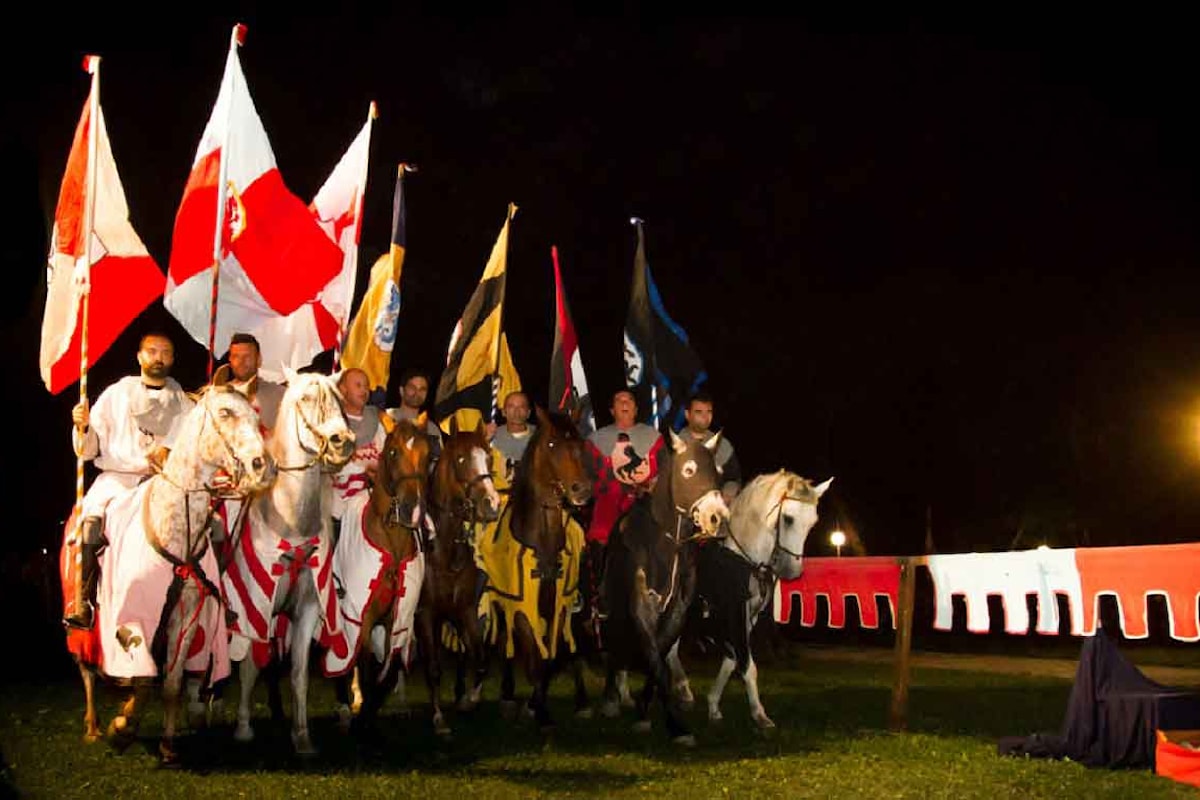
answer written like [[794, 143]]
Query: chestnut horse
[[463, 496], [379, 566]]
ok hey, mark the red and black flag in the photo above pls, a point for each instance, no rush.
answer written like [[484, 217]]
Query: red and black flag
[[568, 385], [661, 368]]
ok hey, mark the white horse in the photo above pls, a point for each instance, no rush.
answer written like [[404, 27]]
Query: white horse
[[160, 612], [768, 524], [278, 578]]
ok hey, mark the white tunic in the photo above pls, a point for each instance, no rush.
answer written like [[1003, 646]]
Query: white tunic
[[128, 422]]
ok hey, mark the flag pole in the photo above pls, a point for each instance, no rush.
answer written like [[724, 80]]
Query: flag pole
[[343, 323], [236, 38], [638, 222], [494, 416], [92, 65]]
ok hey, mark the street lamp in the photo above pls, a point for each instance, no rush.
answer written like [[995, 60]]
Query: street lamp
[[837, 539]]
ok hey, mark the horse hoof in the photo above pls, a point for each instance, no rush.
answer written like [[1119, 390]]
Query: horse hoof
[[466, 705], [197, 716], [584, 713], [508, 709], [168, 756], [627, 701], [641, 726], [716, 717], [610, 709], [121, 733], [765, 725], [687, 740], [92, 736], [243, 733], [404, 712], [344, 717], [303, 745]]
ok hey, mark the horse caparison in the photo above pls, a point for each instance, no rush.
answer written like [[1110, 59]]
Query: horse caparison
[[532, 558], [171, 511]]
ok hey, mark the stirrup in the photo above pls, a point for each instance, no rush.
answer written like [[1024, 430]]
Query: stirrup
[[81, 621]]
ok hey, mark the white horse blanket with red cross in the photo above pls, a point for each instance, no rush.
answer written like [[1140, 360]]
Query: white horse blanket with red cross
[[358, 566], [134, 581], [257, 562]]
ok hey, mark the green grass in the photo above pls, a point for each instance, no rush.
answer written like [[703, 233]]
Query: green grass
[[832, 741]]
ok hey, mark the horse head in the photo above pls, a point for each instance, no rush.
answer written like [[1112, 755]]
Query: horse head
[[311, 420], [693, 484], [554, 461], [403, 470], [463, 477], [771, 518], [224, 430]]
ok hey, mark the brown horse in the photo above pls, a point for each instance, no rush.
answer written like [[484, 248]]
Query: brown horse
[[532, 558], [379, 565], [463, 495]]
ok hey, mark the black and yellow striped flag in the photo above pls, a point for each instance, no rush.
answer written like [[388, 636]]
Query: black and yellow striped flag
[[479, 370]]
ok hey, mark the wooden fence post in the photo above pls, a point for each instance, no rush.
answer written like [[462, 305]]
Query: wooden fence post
[[898, 714]]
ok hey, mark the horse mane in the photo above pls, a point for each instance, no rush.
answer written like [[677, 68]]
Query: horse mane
[[760, 495]]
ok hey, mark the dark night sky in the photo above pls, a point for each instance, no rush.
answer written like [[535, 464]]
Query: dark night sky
[[952, 264]]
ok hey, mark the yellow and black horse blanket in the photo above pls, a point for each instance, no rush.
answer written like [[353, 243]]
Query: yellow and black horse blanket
[[514, 582]]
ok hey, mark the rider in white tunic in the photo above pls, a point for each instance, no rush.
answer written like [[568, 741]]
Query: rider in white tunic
[[127, 434]]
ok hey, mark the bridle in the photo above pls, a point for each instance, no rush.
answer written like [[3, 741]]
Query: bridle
[[322, 449], [765, 572]]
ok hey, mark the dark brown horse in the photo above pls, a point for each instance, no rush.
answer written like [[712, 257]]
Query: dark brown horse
[[532, 558], [462, 496], [650, 572], [379, 565]]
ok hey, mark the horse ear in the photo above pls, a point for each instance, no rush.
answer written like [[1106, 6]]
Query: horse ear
[[422, 421], [453, 424], [388, 421], [713, 441], [289, 374], [819, 489], [543, 417], [481, 429], [677, 444]]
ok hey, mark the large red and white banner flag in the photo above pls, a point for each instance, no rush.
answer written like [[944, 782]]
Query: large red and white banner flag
[[96, 252], [236, 211]]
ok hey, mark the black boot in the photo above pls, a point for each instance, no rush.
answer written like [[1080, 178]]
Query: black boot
[[92, 541]]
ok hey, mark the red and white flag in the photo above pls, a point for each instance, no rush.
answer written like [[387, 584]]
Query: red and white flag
[[568, 384], [115, 269], [296, 339], [274, 257]]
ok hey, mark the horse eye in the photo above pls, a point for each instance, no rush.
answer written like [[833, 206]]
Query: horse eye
[[788, 519], [461, 459], [225, 413], [550, 445]]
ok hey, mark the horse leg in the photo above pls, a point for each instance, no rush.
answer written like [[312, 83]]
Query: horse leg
[[583, 708], [611, 707], [341, 708], [122, 731], [356, 691], [301, 634], [679, 678], [197, 710], [655, 635], [474, 657], [537, 671], [508, 689], [757, 712], [427, 625], [91, 732], [247, 675], [718, 688], [272, 676]]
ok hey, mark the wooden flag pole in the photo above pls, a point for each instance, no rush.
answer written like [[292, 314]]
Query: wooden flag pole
[[236, 38], [344, 322], [92, 65]]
